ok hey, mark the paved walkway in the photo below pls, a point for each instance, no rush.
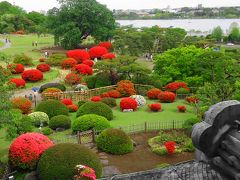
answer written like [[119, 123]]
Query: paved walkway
[[6, 46]]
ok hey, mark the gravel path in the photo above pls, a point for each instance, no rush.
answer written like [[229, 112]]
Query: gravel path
[[6, 46]]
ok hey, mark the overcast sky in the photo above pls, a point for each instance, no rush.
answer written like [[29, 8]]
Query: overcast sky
[[38, 5]]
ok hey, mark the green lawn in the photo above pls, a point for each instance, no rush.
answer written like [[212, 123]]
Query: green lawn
[[1, 44]]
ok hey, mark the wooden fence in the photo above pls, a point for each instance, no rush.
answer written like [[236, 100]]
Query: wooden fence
[[91, 135], [88, 94]]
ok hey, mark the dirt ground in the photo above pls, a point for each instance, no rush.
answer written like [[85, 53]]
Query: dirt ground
[[142, 158]]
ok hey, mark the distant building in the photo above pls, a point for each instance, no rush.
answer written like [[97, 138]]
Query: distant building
[[200, 6]]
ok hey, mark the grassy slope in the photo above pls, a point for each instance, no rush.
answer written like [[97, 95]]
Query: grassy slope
[[1, 44]]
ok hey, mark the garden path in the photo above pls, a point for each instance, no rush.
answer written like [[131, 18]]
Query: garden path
[[7, 45]]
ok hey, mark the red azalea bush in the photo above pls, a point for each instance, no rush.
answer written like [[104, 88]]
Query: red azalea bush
[[109, 56], [72, 108], [182, 108], [24, 104], [167, 97], [128, 103], [79, 54], [97, 52], [32, 75], [25, 151], [43, 67], [106, 44], [96, 98], [69, 63], [16, 68], [170, 146], [67, 101], [126, 88], [19, 82], [89, 63], [104, 95], [114, 94], [72, 78], [192, 99], [155, 107], [83, 69], [153, 93], [84, 172], [42, 59], [173, 86]]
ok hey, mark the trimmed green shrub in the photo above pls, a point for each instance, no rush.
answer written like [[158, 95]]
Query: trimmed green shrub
[[182, 91], [114, 141], [90, 121], [47, 131], [38, 118], [56, 59], [58, 162], [111, 102], [60, 121], [52, 108], [80, 103], [52, 85], [98, 108], [22, 59]]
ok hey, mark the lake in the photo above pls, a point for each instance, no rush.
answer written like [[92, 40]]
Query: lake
[[204, 25]]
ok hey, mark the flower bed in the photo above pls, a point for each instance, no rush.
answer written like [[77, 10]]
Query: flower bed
[[32, 75]]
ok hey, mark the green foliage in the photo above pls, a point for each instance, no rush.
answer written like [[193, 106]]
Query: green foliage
[[217, 33], [99, 80], [56, 59], [60, 121], [188, 124], [90, 121], [163, 165], [39, 118], [189, 147], [47, 131], [76, 20], [80, 103], [19, 125], [98, 108], [114, 141], [52, 108], [22, 59], [111, 102], [59, 161], [182, 91], [234, 35]]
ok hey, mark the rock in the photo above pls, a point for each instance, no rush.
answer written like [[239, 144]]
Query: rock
[[110, 171], [104, 162], [60, 129], [31, 176], [128, 110]]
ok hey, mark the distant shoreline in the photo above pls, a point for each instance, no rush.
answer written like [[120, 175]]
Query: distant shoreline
[[173, 18]]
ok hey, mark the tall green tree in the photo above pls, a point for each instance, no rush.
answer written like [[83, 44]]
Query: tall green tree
[[234, 35], [217, 33], [84, 17]]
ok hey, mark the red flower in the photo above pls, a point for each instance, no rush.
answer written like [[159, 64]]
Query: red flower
[[43, 67], [96, 98], [83, 69], [106, 44], [16, 68], [173, 86], [153, 93], [32, 75], [128, 103], [170, 146], [72, 108], [126, 88], [104, 95], [167, 97], [19, 82], [26, 150], [79, 54], [155, 107], [73, 78], [109, 56], [192, 99], [67, 101], [114, 94], [182, 108], [90, 63], [69, 63], [97, 52], [25, 105]]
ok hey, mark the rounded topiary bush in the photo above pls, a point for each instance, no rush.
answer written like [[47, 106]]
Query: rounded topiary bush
[[16, 68], [19, 82], [97, 52], [79, 54], [43, 67], [114, 141], [83, 69], [128, 103], [98, 108], [111, 102], [90, 121], [80, 103], [59, 161], [69, 63], [52, 108], [60, 121], [153, 93], [22, 103], [26, 150], [52, 85], [39, 118], [168, 97], [141, 101], [32, 75]]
